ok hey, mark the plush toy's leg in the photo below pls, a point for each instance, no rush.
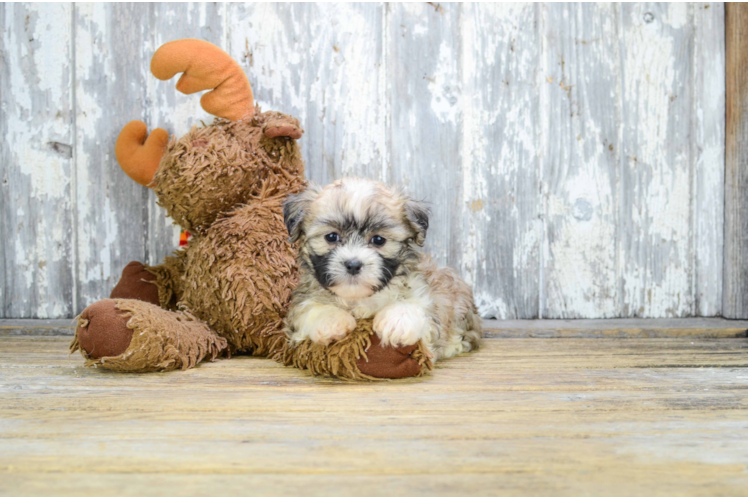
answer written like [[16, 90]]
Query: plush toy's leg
[[134, 336], [136, 283], [168, 279], [158, 285], [359, 356]]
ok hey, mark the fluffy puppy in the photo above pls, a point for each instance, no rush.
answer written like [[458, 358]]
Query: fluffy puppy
[[359, 258]]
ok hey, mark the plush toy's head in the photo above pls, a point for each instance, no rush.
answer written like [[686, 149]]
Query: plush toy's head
[[211, 169]]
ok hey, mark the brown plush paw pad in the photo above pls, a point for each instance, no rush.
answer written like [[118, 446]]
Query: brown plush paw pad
[[102, 330], [388, 362], [136, 283]]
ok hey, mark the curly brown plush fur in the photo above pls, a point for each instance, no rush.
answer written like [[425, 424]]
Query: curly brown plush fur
[[239, 269], [348, 358], [227, 182], [212, 169], [159, 340], [229, 290]]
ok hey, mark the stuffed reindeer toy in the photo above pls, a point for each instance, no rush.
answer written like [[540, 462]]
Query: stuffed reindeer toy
[[228, 291]]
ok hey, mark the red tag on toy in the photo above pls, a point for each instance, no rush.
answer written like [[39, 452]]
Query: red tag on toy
[[184, 238]]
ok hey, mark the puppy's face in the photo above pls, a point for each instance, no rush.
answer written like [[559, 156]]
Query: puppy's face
[[355, 234]]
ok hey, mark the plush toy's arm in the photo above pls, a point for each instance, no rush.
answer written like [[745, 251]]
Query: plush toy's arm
[[358, 356]]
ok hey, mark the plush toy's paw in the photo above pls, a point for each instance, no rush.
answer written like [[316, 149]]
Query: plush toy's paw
[[389, 362], [400, 324], [102, 330], [136, 283], [326, 324]]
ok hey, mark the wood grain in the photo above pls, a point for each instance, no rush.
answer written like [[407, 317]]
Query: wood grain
[[322, 63], [111, 73], [735, 298], [708, 157], [538, 416], [655, 211], [581, 125], [4, 84], [425, 103], [572, 154], [36, 162], [501, 52], [627, 328], [519, 328]]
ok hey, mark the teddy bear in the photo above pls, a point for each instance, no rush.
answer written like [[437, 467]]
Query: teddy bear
[[227, 291]]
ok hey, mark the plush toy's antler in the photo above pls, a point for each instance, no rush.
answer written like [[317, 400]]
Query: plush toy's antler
[[206, 66], [138, 153]]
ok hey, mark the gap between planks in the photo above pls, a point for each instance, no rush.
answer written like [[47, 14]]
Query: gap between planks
[[541, 328]]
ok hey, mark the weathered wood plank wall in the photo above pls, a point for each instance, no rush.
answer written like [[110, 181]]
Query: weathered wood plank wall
[[735, 298], [573, 153]]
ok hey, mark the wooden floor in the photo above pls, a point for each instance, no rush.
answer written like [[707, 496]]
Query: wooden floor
[[524, 416]]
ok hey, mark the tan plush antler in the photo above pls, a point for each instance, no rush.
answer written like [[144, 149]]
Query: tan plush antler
[[138, 153], [206, 66]]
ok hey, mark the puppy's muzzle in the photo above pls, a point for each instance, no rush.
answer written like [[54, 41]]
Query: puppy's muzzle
[[353, 266]]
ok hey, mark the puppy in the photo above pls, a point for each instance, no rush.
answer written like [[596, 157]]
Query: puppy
[[359, 258]]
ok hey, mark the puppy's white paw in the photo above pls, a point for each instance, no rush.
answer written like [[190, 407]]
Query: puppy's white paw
[[401, 324], [326, 324]]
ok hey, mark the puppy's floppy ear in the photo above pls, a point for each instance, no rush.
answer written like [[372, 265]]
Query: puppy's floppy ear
[[417, 215], [295, 208]]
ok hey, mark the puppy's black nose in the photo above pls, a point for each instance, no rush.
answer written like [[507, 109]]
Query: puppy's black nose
[[354, 266]]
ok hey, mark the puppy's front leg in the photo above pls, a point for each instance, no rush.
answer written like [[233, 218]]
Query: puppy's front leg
[[401, 324], [322, 324]]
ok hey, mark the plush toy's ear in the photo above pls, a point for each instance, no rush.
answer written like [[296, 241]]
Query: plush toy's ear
[[295, 208], [280, 125], [417, 214]]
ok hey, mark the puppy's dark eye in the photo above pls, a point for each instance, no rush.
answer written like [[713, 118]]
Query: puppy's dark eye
[[377, 241], [332, 238]]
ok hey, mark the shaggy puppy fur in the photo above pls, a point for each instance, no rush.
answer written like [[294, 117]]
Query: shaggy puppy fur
[[359, 258]]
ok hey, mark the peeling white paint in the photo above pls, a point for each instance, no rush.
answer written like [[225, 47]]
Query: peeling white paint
[[708, 140], [36, 161], [445, 99], [656, 249], [329, 78], [573, 154]]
